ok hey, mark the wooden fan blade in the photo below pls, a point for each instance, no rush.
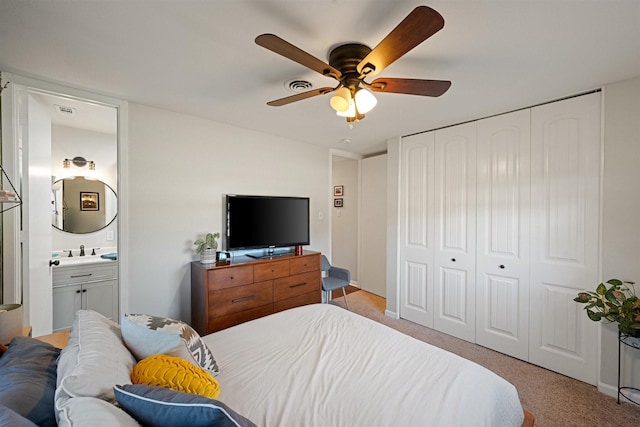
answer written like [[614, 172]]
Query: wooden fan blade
[[286, 49], [419, 25], [410, 86], [300, 96]]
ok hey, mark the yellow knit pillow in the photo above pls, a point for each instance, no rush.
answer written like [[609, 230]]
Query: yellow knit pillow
[[175, 373]]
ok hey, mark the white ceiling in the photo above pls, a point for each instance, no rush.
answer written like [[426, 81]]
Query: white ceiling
[[199, 57]]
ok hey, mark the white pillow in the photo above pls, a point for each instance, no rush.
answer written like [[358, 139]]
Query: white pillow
[[94, 360], [89, 411], [147, 335]]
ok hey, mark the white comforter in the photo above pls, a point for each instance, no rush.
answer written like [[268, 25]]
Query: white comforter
[[320, 365]]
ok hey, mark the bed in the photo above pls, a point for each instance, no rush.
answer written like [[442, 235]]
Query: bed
[[321, 365]]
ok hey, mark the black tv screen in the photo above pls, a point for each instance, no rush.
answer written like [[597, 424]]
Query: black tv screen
[[262, 221]]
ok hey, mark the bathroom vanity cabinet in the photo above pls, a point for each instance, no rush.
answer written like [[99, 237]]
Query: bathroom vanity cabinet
[[91, 286]]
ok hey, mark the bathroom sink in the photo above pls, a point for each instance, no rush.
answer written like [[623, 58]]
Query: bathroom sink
[[81, 260]]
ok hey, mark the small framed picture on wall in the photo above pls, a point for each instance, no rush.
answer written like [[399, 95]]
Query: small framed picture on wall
[[89, 201], [337, 203], [338, 190]]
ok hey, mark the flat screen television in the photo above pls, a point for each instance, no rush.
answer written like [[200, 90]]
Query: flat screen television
[[255, 222]]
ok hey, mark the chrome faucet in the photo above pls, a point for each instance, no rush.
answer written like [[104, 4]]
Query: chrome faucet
[[81, 250]]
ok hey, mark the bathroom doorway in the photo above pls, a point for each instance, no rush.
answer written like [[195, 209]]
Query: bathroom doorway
[[45, 127]]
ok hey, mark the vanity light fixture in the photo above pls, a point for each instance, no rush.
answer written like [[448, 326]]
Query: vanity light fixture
[[79, 162]]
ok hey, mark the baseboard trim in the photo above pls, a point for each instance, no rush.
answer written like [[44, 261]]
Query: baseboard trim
[[391, 314], [608, 389]]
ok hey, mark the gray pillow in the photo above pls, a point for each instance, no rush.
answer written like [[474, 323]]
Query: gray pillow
[[28, 380]]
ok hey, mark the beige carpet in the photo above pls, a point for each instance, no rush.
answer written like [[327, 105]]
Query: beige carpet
[[555, 400]]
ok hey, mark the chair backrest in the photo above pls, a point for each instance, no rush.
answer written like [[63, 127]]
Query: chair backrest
[[325, 264]]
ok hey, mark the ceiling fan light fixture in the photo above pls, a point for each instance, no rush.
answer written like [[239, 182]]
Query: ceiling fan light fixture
[[341, 100], [365, 100]]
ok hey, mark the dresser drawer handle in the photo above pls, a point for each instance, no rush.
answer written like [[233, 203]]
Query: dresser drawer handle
[[243, 299], [230, 277], [81, 275], [298, 285]]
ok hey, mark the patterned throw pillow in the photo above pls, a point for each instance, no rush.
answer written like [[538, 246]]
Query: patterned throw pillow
[[175, 373], [147, 335]]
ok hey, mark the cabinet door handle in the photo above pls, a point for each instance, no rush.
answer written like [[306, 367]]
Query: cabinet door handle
[[453, 260], [84, 290], [78, 291], [298, 285], [501, 266], [81, 275], [243, 299]]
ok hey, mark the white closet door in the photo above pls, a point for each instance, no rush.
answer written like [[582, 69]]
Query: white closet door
[[565, 165], [455, 238], [416, 228], [502, 279]]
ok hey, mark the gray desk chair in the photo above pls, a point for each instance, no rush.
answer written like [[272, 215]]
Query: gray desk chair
[[334, 278]]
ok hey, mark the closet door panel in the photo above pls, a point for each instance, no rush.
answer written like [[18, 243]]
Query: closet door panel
[[565, 223], [503, 184], [416, 228], [455, 173]]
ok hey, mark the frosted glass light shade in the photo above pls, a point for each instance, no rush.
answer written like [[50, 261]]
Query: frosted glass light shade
[[340, 101], [351, 111], [365, 101]]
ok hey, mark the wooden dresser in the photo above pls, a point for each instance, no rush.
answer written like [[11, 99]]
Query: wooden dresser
[[227, 293]]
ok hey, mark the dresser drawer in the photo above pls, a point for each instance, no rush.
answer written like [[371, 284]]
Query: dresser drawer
[[304, 299], [271, 270], [222, 278], [304, 264], [298, 284], [217, 323], [239, 298]]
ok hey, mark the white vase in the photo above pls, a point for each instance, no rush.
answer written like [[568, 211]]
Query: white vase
[[208, 256]]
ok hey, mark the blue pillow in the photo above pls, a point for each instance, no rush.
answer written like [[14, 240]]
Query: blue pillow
[[28, 372], [160, 407]]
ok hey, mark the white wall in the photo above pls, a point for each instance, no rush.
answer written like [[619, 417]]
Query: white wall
[[344, 220], [373, 225], [393, 221], [180, 167], [620, 211]]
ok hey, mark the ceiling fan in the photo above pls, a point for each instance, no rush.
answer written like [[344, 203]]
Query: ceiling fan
[[351, 63]]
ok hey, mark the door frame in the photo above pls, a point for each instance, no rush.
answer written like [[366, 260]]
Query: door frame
[[13, 229]]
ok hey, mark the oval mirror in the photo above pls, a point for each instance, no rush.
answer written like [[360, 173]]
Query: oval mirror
[[82, 205]]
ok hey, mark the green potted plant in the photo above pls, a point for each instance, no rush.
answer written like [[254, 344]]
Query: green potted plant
[[207, 248], [617, 303]]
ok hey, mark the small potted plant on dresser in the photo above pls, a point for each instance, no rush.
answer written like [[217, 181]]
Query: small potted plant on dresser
[[617, 303], [207, 248]]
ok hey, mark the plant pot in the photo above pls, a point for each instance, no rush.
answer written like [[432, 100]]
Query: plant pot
[[208, 256]]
